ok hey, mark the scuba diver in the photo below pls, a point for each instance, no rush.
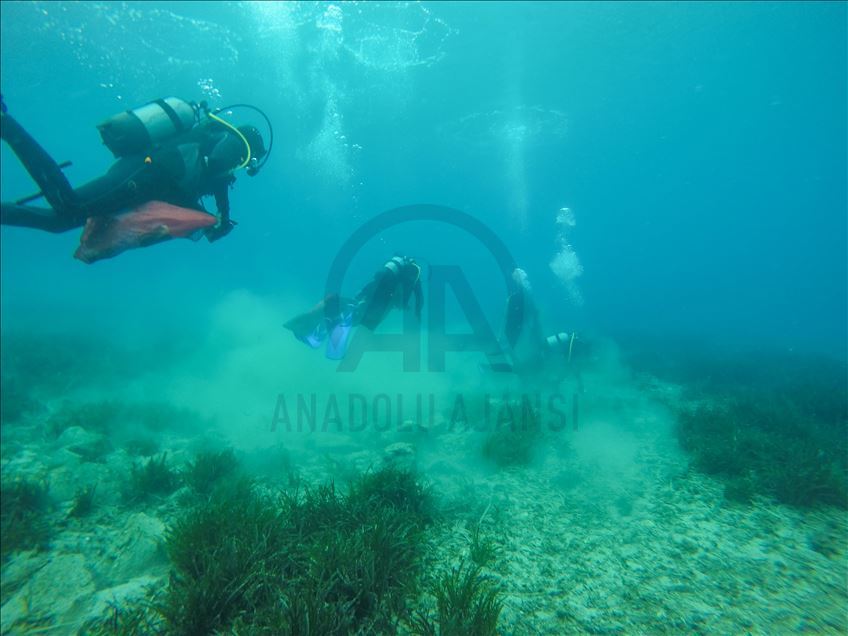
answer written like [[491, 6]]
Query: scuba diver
[[531, 354], [391, 288], [170, 154], [522, 330], [334, 317]]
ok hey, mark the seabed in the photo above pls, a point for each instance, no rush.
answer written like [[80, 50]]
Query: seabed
[[608, 531]]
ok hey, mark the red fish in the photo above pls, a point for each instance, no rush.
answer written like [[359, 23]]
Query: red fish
[[153, 222]]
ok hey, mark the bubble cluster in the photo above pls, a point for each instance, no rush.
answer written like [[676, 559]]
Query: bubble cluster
[[138, 47], [331, 19], [565, 218], [207, 87], [565, 264], [520, 278], [524, 125], [315, 49], [388, 36], [397, 36]]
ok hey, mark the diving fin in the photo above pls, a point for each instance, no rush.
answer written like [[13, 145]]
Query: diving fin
[[339, 338]]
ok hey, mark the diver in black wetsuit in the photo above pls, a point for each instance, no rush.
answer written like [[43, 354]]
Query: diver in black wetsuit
[[531, 354], [163, 154], [523, 330], [392, 287]]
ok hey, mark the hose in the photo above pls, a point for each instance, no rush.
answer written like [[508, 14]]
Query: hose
[[267, 121], [237, 132]]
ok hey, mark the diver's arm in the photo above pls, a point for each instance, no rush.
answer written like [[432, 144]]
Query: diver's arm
[[222, 204], [223, 151], [222, 200], [514, 317]]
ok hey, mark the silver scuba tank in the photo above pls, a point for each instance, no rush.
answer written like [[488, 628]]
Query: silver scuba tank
[[559, 341], [135, 131]]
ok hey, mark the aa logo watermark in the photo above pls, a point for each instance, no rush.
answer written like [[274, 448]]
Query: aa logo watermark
[[441, 279], [352, 334], [383, 412]]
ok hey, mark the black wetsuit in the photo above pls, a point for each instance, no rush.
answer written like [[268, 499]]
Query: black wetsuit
[[180, 172], [392, 286], [522, 317], [523, 331]]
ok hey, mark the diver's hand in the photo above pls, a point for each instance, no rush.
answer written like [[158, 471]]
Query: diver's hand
[[220, 231]]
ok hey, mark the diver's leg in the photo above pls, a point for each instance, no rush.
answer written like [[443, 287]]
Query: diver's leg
[[39, 218], [310, 327], [40, 165], [124, 187], [375, 299]]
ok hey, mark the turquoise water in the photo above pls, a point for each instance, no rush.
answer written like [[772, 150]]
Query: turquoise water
[[671, 177]]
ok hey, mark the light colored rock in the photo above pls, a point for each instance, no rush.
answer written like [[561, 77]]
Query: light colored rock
[[58, 592], [25, 465], [400, 455], [18, 570], [122, 595], [67, 480], [76, 435], [62, 458], [399, 449], [136, 549]]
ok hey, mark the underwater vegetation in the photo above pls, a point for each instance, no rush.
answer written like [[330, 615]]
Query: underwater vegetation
[[228, 557], [507, 448], [791, 445], [512, 442], [23, 522], [765, 424], [209, 469], [829, 539], [154, 477], [482, 550], [83, 504], [140, 620], [151, 478], [309, 561], [393, 488], [142, 446], [467, 604]]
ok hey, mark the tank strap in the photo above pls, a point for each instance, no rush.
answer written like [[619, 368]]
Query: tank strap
[[559, 339], [394, 264], [171, 113]]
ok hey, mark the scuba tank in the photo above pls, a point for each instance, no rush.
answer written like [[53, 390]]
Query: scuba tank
[[135, 131], [562, 343], [559, 341]]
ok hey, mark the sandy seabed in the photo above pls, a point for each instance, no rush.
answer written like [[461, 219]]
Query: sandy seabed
[[607, 532]]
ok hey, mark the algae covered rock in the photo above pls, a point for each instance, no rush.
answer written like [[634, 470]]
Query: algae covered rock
[[135, 550], [56, 594]]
